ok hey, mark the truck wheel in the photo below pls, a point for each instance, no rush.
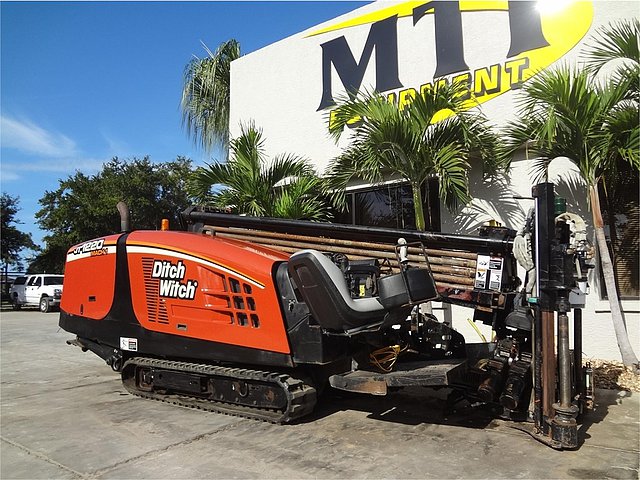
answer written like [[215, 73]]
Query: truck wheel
[[14, 303], [45, 307]]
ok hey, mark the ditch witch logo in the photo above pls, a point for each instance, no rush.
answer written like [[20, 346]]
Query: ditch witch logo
[[537, 39], [170, 277]]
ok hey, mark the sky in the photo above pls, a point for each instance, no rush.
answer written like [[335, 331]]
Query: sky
[[83, 82]]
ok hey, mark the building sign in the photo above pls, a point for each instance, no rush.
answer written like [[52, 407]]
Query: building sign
[[540, 32], [399, 48]]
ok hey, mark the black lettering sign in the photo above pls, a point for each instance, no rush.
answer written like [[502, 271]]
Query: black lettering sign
[[526, 34], [383, 36], [526, 27], [448, 35]]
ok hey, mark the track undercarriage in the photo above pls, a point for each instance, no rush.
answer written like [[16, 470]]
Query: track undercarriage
[[262, 395]]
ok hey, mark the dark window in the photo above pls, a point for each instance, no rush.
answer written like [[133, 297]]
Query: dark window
[[620, 205], [20, 281], [57, 280], [391, 206]]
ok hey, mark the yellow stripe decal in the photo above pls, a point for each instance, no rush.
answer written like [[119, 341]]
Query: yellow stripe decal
[[405, 9], [153, 250]]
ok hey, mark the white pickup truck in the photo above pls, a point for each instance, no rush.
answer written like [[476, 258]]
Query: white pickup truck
[[43, 291]]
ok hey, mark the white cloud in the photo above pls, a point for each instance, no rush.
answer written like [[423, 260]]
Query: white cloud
[[85, 165], [49, 151], [27, 137], [8, 176]]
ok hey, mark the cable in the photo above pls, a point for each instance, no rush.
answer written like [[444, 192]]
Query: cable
[[385, 358], [475, 327]]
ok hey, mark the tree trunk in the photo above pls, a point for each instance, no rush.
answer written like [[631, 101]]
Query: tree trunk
[[613, 233], [626, 351], [417, 206]]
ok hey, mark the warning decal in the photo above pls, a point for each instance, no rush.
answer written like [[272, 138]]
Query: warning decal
[[129, 344], [489, 272]]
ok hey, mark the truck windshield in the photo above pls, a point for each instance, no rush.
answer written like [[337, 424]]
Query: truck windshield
[[57, 280]]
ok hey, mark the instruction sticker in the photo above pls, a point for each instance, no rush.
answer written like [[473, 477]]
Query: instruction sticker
[[481, 271], [129, 344], [489, 272], [495, 267], [496, 280], [495, 263]]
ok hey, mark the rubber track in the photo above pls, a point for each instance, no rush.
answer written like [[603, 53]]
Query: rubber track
[[301, 397]]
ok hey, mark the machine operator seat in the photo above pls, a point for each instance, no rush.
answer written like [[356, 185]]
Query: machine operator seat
[[324, 289]]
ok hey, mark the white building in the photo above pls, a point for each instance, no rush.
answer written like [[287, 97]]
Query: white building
[[288, 89]]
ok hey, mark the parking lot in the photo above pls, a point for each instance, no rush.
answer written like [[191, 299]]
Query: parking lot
[[65, 415]]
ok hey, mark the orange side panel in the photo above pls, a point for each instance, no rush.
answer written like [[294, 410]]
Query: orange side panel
[[208, 288], [89, 278]]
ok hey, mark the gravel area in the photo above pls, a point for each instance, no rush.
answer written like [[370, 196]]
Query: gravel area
[[614, 376]]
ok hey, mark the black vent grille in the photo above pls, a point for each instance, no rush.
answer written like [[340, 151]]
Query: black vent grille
[[156, 309]]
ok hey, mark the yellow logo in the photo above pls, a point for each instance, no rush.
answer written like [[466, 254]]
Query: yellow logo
[[541, 32]]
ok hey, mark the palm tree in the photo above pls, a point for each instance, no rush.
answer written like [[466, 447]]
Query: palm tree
[[205, 96], [434, 135], [565, 113], [286, 187], [617, 44]]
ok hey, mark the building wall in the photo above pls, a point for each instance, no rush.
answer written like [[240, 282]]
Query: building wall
[[280, 88], [495, 201]]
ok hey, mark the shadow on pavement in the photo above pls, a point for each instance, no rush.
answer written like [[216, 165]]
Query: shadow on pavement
[[416, 406], [603, 400], [410, 406]]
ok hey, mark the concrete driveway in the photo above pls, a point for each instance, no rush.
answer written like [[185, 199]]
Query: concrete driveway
[[65, 414]]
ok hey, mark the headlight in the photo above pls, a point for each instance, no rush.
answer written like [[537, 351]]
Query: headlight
[[57, 292]]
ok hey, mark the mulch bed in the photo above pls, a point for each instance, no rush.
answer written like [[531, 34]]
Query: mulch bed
[[614, 376]]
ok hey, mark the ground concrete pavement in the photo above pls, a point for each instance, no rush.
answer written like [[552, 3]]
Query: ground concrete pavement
[[64, 414]]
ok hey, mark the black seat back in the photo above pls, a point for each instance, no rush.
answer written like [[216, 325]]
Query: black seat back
[[410, 287], [324, 289]]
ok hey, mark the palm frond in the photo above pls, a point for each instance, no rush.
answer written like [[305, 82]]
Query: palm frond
[[286, 168], [431, 135], [203, 179], [205, 96], [451, 167], [302, 199], [539, 169], [563, 114], [620, 137], [617, 41], [252, 185]]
